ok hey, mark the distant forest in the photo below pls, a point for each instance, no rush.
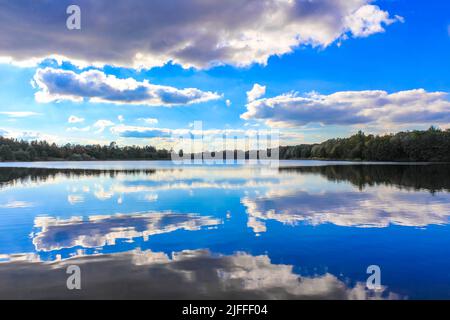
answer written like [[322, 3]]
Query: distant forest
[[430, 145]]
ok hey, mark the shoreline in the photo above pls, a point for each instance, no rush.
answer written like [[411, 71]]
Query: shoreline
[[119, 165]]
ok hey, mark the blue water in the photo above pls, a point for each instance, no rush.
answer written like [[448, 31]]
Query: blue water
[[268, 226]]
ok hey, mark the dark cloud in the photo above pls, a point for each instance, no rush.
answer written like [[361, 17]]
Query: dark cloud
[[192, 33]]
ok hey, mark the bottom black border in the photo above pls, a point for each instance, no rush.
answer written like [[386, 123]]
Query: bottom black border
[[275, 309]]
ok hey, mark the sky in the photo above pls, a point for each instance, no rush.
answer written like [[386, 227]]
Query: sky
[[139, 72]]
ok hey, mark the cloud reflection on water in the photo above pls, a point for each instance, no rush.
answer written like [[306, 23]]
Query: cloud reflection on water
[[381, 207], [159, 202], [99, 231], [189, 274]]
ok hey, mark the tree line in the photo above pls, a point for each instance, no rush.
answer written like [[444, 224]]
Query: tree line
[[19, 150], [426, 145]]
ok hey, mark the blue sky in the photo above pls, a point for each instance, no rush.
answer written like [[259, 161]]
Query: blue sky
[[321, 79]]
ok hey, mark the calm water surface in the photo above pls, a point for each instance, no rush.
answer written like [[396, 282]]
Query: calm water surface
[[153, 230]]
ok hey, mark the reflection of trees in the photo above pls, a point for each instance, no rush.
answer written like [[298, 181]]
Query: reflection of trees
[[20, 175], [432, 177]]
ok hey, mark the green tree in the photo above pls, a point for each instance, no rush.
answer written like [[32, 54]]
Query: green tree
[[6, 153]]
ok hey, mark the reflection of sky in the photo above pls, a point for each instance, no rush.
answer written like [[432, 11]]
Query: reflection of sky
[[303, 220], [100, 231], [194, 273], [380, 207]]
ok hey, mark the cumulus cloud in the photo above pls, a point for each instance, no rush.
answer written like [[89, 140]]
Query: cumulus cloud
[[352, 108], [196, 33], [228, 102], [256, 92], [96, 86], [75, 119], [368, 20]]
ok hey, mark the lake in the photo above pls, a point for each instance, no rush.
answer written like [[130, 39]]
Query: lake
[[152, 230]]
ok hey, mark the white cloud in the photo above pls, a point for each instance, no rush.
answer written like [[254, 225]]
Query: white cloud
[[228, 103], [19, 114], [57, 85], [101, 125], [256, 92], [352, 108], [149, 120], [194, 33], [120, 118], [75, 119], [368, 20]]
